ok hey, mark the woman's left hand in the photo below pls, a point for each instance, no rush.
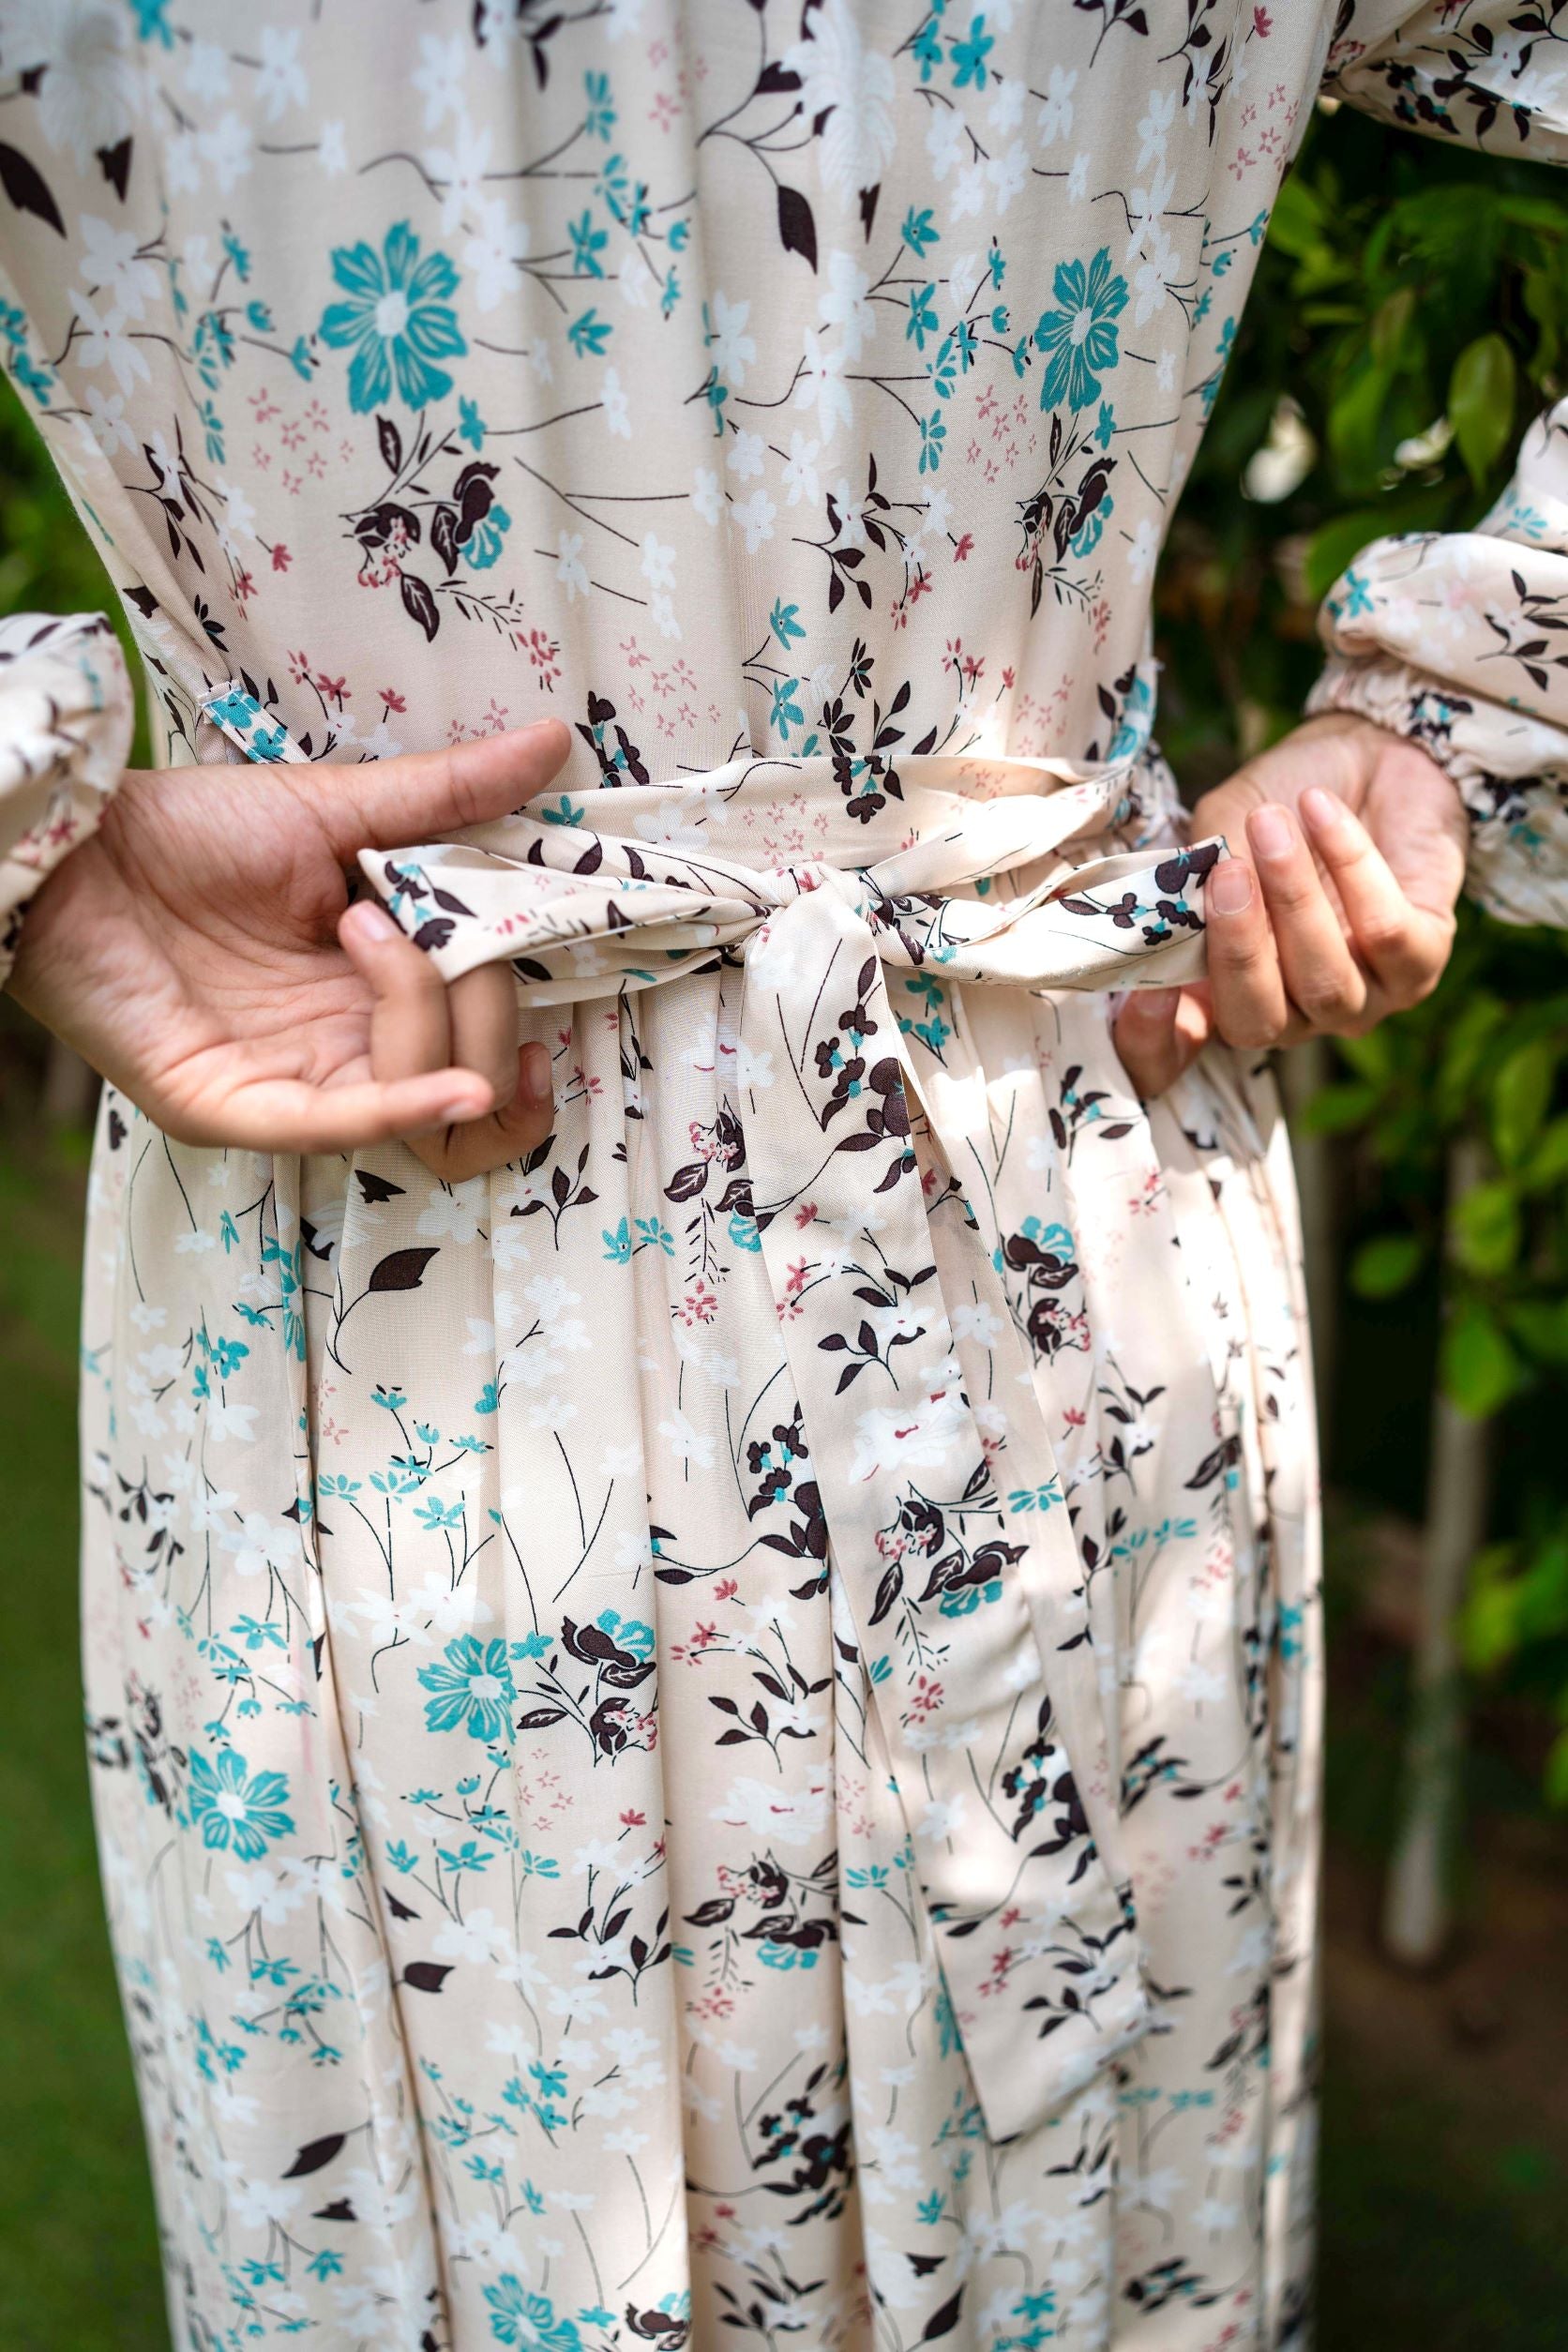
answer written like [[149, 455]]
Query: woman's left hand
[[1334, 908]]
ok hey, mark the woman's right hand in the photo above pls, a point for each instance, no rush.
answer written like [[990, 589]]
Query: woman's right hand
[[199, 950]]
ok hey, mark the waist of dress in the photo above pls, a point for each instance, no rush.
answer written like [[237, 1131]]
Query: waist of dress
[[973, 865]]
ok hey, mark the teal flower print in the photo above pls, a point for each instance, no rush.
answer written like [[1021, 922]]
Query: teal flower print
[[527, 2321], [238, 1811], [1080, 337], [474, 1689], [397, 321], [483, 542]]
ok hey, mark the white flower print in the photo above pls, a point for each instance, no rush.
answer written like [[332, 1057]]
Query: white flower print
[[636, 280], [206, 72], [259, 1544], [969, 191], [843, 303], [781, 1816], [799, 475], [945, 143], [452, 1211], [617, 413], [685, 1441], [853, 86], [111, 264], [1008, 174], [461, 173], [734, 350], [570, 571], [746, 454], [1144, 207], [1055, 118], [439, 76], [657, 565], [1155, 128], [281, 81], [914, 1435], [226, 150], [103, 342], [821, 386], [1155, 276], [87, 89], [1143, 548], [706, 496], [756, 518], [105, 423]]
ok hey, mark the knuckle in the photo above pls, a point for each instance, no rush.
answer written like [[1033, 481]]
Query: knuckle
[[1383, 937], [1242, 958], [1329, 1003], [1292, 888], [1253, 1026]]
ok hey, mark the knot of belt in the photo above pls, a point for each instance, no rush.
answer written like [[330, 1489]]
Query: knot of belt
[[948, 1528]]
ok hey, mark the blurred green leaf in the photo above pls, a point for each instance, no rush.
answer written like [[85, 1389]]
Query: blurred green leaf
[[1334, 1109], [1555, 1778], [1481, 393], [1540, 1326], [1480, 1370], [1387, 1265], [1521, 1095], [1486, 1227], [1547, 1165]]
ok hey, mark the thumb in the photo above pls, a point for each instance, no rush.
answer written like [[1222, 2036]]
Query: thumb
[[393, 804]]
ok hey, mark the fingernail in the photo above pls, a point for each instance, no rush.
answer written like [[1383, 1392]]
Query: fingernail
[[535, 1074], [371, 921], [1154, 1005], [1229, 890], [1323, 808], [1270, 832], [459, 1107]]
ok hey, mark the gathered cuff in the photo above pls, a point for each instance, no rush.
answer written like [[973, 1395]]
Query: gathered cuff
[[1510, 769], [66, 715]]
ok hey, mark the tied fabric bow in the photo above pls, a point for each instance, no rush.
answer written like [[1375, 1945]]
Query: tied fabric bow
[[948, 1528]]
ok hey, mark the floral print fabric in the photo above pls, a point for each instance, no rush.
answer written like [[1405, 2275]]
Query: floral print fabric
[[64, 731], [713, 1737], [1459, 641]]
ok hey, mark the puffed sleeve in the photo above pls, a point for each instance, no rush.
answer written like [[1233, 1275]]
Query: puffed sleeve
[[1461, 639], [65, 720]]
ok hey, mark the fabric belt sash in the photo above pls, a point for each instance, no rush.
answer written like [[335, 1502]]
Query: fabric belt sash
[[948, 1528]]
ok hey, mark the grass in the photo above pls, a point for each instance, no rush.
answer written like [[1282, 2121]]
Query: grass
[[78, 2253], [1442, 2225]]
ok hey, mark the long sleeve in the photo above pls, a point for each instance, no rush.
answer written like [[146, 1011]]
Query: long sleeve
[[66, 720], [1460, 640]]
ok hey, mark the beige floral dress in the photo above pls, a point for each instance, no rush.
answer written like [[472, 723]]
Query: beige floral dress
[[712, 1740]]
